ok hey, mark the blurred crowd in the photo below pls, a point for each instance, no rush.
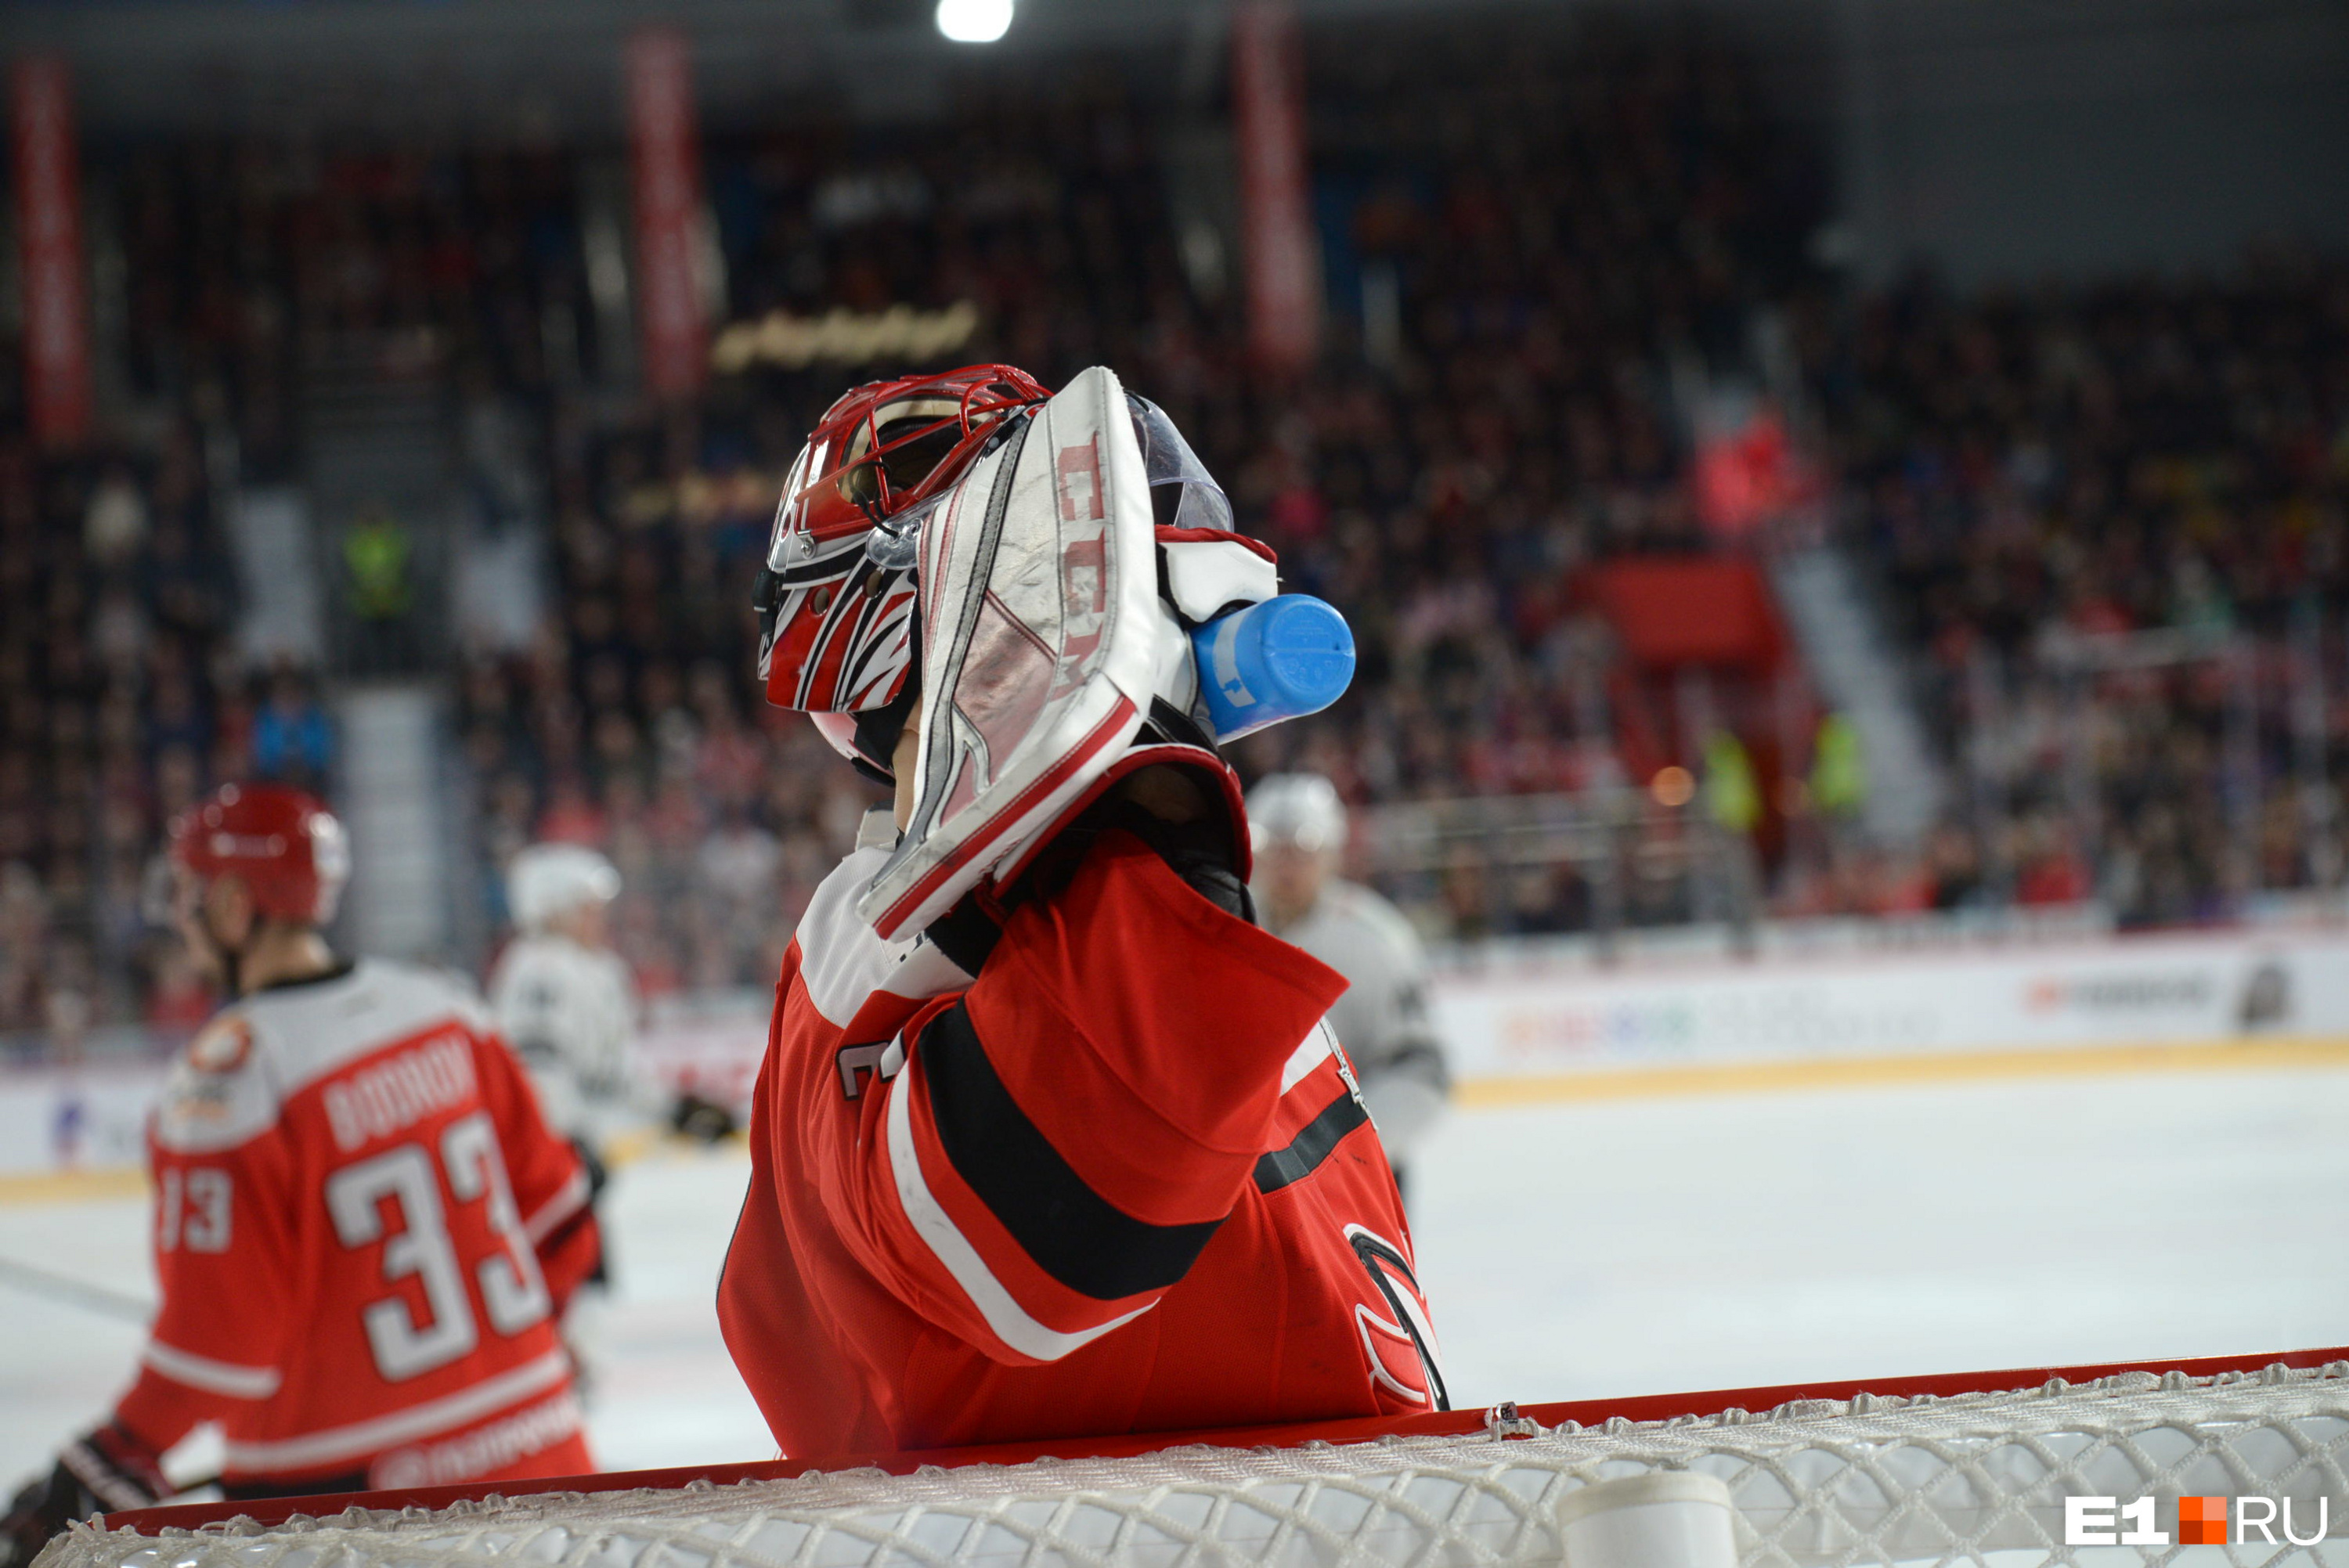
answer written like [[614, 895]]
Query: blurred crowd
[[1525, 283], [248, 262], [123, 694], [2111, 521], [1442, 476]]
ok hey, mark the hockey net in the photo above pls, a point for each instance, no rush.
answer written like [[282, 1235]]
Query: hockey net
[[1952, 1470]]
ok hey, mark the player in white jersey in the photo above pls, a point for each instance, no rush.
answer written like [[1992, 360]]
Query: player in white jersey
[[561, 996], [565, 1002], [1300, 828]]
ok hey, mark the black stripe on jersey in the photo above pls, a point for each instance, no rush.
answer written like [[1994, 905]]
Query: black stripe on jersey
[[1072, 1232], [1311, 1145]]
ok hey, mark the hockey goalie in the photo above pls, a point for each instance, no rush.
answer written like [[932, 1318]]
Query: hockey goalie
[[1050, 1138]]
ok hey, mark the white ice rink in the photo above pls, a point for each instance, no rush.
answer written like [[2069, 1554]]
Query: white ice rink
[[1586, 1248]]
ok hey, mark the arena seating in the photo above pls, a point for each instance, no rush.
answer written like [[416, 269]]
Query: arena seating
[[1494, 416]]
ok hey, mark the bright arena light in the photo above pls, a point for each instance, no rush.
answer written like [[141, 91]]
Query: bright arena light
[[974, 21]]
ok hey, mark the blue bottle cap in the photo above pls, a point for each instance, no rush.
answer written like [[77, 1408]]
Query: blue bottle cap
[[1283, 658]]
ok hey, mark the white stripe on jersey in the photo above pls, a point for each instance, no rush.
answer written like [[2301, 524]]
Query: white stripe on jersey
[[212, 1376], [1310, 1053], [568, 1200], [364, 1440], [1004, 1315]]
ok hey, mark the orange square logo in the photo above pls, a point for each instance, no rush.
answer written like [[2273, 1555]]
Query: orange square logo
[[2202, 1522]]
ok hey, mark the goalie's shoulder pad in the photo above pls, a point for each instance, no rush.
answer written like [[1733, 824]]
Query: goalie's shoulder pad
[[1211, 571]]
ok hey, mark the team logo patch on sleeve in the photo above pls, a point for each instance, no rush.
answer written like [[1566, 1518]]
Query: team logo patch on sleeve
[[221, 1045], [1403, 1358]]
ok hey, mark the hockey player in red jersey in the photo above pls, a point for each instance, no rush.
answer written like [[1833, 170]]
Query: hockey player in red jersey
[[363, 1229], [1051, 1139]]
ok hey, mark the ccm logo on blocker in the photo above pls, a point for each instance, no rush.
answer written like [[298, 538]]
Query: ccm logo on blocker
[[2201, 1522]]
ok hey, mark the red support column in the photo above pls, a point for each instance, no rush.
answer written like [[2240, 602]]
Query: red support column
[[1283, 254], [48, 223], [667, 163]]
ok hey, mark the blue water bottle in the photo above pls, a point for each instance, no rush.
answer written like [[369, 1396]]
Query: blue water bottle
[[1283, 658]]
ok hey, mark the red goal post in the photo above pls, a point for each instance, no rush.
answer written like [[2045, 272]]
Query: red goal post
[[1944, 1468]]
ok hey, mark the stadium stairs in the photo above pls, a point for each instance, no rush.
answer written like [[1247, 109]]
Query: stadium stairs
[[1860, 673]]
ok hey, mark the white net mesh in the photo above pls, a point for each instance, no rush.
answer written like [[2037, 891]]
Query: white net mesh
[[1970, 1479]]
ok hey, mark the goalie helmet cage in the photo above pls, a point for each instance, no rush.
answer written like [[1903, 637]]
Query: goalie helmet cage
[[1971, 1469]]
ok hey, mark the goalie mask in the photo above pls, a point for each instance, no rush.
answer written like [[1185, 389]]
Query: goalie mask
[[836, 600]]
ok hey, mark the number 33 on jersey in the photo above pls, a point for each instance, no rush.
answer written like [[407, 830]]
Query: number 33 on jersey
[[363, 1231]]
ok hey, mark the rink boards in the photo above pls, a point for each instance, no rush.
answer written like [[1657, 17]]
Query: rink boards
[[1529, 1017]]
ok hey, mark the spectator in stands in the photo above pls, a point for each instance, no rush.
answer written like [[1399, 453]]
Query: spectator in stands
[[291, 741]]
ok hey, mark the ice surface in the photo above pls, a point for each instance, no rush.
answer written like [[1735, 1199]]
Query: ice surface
[[1604, 1247]]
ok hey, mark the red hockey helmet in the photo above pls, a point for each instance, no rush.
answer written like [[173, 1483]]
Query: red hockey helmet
[[282, 844], [836, 601]]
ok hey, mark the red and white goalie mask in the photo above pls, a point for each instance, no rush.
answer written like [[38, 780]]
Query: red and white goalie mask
[[836, 601]]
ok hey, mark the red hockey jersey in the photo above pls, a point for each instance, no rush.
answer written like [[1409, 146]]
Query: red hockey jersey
[[1120, 1182], [363, 1234]]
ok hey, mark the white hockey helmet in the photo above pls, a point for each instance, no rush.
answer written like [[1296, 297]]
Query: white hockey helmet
[[545, 880], [1299, 809]]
